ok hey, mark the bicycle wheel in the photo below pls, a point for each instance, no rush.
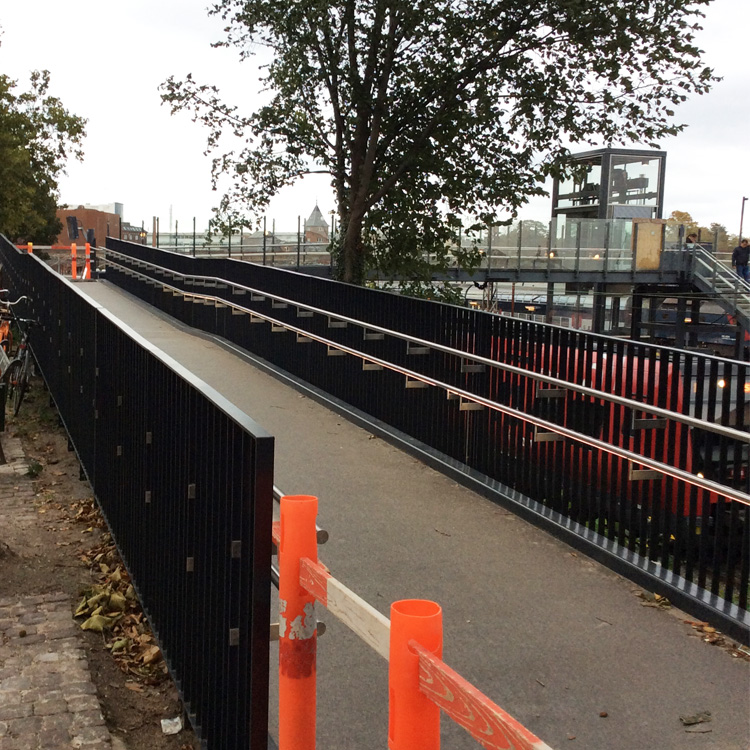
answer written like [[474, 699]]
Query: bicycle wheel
[[12, 379], [23, 382]]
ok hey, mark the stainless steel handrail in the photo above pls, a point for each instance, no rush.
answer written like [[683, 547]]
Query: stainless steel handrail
[[548, 379], [636, 458], [718, 271]]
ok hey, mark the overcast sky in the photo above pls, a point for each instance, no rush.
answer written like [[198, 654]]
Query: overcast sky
[[107, 60]]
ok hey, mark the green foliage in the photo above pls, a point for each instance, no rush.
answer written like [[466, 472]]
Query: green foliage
[[428, 110], [715, 233], [36, 136], [440, 292]]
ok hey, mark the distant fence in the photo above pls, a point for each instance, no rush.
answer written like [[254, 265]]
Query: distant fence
[[634, 452], [185, 482], [564, 243]]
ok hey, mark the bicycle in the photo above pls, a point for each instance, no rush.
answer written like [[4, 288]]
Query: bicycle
[[18, 372], [6, 334]]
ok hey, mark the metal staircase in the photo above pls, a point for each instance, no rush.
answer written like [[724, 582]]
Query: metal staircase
[[713, 277]]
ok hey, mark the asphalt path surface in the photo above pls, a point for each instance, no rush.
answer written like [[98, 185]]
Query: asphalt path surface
[[558, 641]]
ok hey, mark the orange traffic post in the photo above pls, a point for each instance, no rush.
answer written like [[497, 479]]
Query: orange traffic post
[[413, 719], [87, 267], [30, 248], [297, 625], [73, 266]]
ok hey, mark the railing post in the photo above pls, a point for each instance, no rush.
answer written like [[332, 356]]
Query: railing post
[[413, 719], [298, 240], [264, 240], [297, 625], [607, 241]]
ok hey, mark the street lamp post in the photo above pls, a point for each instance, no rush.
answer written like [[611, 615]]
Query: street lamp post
[[742, 216]]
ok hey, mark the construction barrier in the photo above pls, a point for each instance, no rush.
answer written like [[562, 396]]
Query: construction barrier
[[297, 624], [420, 683], [85, 273]]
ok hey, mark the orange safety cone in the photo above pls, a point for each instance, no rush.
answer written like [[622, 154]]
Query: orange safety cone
[[297, 625], [413, 719], [73, 264], [29, 248], [87, 267]]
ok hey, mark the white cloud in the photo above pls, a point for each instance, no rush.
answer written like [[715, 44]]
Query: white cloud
[[107, 60]]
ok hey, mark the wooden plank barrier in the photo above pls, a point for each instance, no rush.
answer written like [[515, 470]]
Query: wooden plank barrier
[[484, 720], [412, 643]]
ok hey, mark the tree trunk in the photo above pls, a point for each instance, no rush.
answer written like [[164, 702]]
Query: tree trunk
[[352, 252]]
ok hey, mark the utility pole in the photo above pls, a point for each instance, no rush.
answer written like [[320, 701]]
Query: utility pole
[[742, 216]]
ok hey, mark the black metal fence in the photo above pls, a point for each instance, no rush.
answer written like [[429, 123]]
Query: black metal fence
[[659, 497], [185, 482]]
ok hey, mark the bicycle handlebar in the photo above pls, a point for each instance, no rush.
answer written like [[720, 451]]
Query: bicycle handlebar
[[26, 321], [8, 302]]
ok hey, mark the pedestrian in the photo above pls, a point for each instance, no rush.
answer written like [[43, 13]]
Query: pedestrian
[[740, 259], [691, 241]]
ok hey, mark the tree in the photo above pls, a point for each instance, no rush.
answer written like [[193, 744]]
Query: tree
[[682, 218], [423, 111], [36, 136]]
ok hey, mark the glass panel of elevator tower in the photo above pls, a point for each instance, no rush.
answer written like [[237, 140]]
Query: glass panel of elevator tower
[[612, 184]]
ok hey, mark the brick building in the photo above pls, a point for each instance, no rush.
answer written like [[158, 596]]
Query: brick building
[[132, 233], [103, 223]]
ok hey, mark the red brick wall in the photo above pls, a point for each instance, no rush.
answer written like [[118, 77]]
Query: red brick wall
[[89, 218]]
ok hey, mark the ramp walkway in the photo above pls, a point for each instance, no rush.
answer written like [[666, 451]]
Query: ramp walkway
[[560, 642]]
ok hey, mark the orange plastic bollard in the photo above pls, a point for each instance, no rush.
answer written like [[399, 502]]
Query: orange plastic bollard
[[73, 265], [29, 248], [87, 268], [297, 625], [413, 719]]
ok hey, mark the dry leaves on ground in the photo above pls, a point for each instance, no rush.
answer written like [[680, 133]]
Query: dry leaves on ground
[[110, 605]]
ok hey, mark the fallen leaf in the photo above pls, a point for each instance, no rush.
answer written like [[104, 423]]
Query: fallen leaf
[[698, 718], [152, 654], [118, 602], [97, 623]]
